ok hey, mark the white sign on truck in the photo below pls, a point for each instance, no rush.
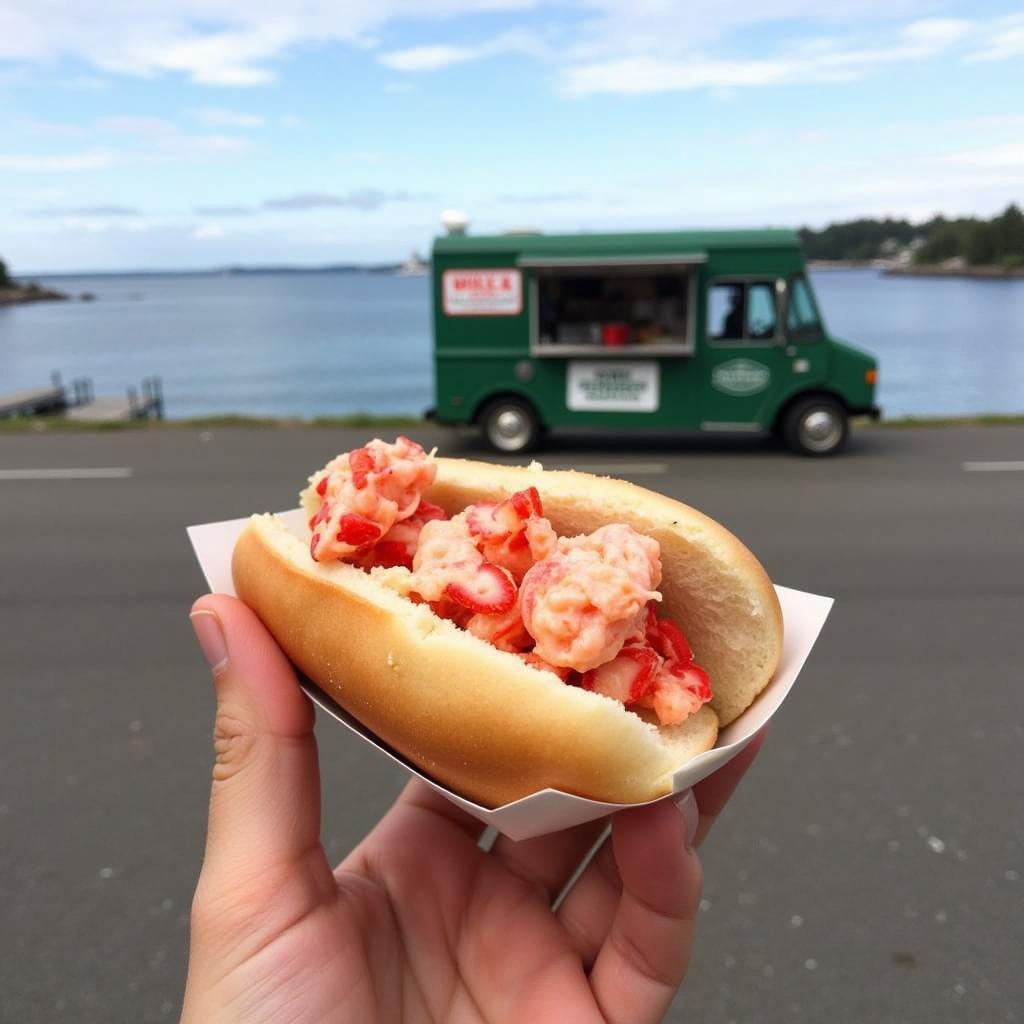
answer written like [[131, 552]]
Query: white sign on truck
[[482, 292], [612, 385]]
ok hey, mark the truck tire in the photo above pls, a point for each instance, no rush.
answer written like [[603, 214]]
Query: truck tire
[[510, 425], [816, 425]]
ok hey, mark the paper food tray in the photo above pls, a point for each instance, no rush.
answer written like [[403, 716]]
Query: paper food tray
[[550, 810]]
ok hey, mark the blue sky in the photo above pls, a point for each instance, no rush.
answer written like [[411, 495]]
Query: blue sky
[[194, 133]]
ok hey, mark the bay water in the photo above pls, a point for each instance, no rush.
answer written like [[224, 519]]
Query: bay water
[[333, 343]]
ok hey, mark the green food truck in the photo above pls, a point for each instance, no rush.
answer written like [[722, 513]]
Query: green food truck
[[712, 331]]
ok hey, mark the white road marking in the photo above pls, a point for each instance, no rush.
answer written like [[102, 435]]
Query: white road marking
[[994, 467], [99, 473], [614, 468]]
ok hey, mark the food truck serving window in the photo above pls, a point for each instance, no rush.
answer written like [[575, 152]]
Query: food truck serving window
[[598, 309]]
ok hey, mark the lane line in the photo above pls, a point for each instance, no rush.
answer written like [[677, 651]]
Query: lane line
[[99, 473], [613, 468], [994, 467]]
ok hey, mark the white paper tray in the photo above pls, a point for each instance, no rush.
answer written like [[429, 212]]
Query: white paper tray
[[550, 810]]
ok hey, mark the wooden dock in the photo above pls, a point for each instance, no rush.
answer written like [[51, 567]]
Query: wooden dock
[[136, 405], [32, 402], [102, 410], [82, 405]]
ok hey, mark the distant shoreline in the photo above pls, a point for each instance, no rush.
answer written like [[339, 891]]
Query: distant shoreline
[[842, 265], [18, 294], [392, 269], [231, 271], [982, 272], [987, 272]]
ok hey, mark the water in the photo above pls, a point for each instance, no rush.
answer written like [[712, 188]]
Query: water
[[331, 344], [945, 346], [260, 344]]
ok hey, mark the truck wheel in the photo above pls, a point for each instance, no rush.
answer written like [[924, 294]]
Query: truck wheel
[[815, 426], [510, 425]]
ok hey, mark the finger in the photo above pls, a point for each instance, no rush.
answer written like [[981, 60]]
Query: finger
[[439, 827], [589, 907], [265, 798], [419, 796], [548, 862], [644, 957], [714, 792]]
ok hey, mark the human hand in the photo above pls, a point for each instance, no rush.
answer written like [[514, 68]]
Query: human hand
[[417, 923]]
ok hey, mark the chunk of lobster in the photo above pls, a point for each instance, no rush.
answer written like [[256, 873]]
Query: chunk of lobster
[[398, 545], [629, 677], [375, 486], [512, 533], [505, 631], [537, 662], [589, 597], [679, 692], [667, 638]]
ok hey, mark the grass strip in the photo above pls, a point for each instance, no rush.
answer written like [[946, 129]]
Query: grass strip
[[62, 425]]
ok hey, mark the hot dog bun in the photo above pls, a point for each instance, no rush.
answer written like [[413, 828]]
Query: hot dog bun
[[479, 720]]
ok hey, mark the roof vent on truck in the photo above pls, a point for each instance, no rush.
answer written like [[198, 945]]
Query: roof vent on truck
[[455, 222]]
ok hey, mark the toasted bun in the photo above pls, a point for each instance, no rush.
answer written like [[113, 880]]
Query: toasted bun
[[479, 720]]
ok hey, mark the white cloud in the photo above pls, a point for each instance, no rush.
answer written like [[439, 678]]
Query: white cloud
[[1006, 40], [641, 46], [216, 117], [429, 58], [213, 42], [51, 129], [162, 139], [434, 58], [98, 210], [226, 210], [203, 146], [92, 160], [83, 224], [670, 28], [205, 232], [133, 124], [1002, 156], [355, 199], [823, 61]]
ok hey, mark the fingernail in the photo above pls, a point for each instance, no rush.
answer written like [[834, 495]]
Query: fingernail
[[687, 804], [211, 638]]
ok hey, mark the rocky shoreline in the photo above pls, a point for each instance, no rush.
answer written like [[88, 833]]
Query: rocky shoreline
[[15, 294], [992, 272]]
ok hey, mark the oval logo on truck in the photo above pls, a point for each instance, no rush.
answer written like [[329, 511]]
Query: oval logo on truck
[[740, 377]]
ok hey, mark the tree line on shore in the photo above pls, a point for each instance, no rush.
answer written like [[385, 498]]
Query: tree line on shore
[[978, 242]]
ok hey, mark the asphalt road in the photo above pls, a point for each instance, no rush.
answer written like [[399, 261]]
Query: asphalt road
[[871, 868]]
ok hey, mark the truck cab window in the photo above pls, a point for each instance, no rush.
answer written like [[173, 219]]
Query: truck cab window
[[725, 312], [761, 310], [742, 311], [802, 319]]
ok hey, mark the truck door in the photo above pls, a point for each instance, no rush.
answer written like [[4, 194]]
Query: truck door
[[743, 367], [805, 349]]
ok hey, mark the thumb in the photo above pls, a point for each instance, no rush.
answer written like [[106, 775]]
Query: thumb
[[265, 798]]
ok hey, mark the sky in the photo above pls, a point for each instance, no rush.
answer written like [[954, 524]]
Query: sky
[[199, 133]]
